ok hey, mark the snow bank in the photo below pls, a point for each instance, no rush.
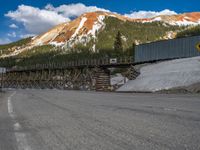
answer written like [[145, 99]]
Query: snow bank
[[118, 80], [166, 75]]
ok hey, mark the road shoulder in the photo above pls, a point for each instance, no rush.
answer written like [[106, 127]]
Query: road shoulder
[[7, 137]]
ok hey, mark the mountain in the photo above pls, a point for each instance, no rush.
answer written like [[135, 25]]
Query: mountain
[[96, 32], [181, 19], [82, 29], [86, 26]]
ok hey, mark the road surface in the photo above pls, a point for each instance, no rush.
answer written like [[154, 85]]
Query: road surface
[[75, 120]]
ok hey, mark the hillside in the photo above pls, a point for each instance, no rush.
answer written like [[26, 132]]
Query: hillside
[[10, 48], [180, 19], [88, 26], [192, 31], [93, 35]]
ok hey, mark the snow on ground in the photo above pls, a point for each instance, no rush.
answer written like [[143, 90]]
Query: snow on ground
[[118, 79], [185, 22], [165, 75]]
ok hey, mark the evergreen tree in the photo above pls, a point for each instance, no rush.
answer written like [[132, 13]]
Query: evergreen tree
[[118, 44], [194, 31]]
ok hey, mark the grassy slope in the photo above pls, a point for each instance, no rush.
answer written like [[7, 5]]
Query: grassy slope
[[193, 31], [143, 32], [36, 55], [4, 49]]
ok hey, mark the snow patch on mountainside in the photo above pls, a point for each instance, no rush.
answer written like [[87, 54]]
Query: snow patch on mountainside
[[57, 44], [185, 23], [169, 35], [79, 27], [76, 38], [99, 24], [157, 19], [84, 38], [166, 75]]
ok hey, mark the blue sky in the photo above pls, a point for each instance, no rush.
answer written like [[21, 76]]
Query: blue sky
[[21, 18]]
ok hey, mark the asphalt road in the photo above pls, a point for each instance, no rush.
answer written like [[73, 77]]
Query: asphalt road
[[74, 120]]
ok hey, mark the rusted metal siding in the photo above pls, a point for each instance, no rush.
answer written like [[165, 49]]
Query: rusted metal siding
[[168, 49]]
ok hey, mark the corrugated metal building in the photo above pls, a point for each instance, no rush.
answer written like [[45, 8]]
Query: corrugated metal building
[[168, 49], [2, 70]]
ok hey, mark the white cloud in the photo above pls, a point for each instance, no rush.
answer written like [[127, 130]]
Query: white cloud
[[73, 10], [13, 34], [34, 19], [14, 26], [37, 20], [4, 40], [26, 35], [150, 14]]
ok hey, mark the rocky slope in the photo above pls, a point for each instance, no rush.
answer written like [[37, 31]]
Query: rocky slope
[[81, 29]]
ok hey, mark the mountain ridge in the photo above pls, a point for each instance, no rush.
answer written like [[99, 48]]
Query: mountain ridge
[[87, 25], [96, 30]]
